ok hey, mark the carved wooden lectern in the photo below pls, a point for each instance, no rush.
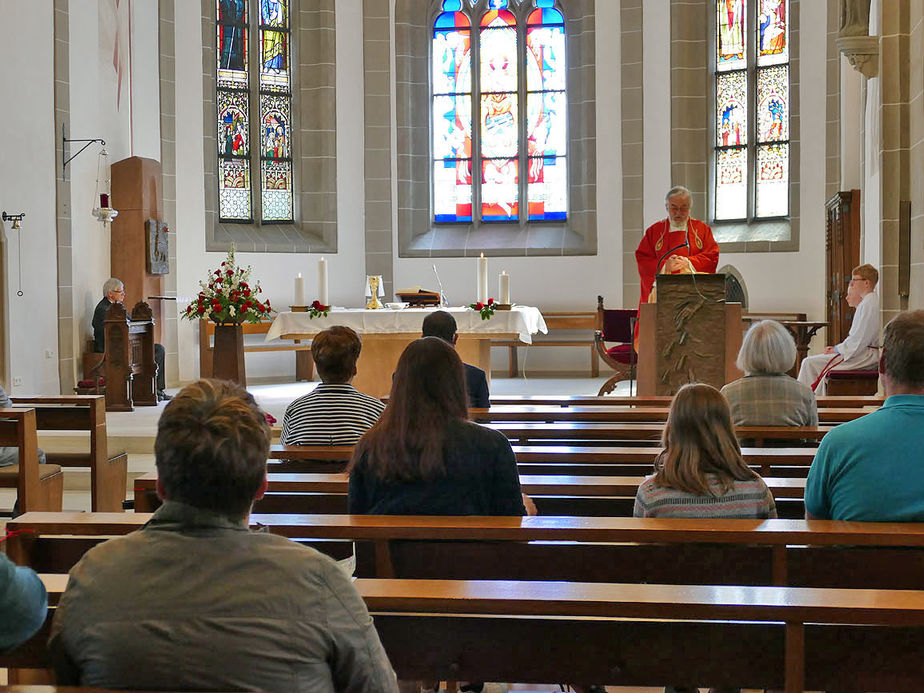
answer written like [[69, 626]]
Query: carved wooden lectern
[[129, 360], [690, 335]]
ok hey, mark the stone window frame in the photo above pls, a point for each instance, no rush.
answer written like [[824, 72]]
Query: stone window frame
[[755, 234], [418, 235], [313, 65]]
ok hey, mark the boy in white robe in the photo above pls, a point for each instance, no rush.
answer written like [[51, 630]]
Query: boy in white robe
[[860, 350]]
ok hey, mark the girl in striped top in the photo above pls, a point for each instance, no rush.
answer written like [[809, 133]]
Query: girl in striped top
[[701, 473]]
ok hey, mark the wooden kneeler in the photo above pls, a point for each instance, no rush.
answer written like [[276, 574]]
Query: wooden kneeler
[[39, 486]]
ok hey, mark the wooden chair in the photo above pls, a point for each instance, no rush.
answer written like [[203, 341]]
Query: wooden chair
[[615, 326], [39, 486]]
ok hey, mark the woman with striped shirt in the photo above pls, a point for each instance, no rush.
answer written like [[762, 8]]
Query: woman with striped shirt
[[701, 473]]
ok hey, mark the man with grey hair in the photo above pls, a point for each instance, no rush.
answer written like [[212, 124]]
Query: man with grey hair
[[868, 470], [114, 292], [676, 244], [767, 395]]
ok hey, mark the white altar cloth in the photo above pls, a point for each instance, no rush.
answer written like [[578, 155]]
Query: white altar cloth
[[524, 321]]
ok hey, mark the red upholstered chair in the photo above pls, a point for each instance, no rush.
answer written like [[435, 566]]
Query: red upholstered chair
[[615, 326]]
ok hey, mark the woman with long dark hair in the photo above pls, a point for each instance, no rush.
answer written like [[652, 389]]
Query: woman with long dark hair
[[701, 472], [423, 456]]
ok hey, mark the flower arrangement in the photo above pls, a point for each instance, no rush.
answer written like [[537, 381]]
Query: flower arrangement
[[228, 297], [486, 309], [317, 309]]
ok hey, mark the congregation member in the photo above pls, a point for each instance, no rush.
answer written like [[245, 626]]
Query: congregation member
[[700, 472], [195, 600], [424, 457], [860, 349], [114, 292], [23, 604], [869, 469], [441, 324], [335, 412], [767, 395]]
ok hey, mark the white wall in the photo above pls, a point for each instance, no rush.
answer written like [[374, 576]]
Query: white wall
[[97, 109], [27, 184], [794, 282]]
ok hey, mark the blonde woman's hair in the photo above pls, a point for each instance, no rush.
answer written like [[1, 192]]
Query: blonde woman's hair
[[699, 438], [767, 348]]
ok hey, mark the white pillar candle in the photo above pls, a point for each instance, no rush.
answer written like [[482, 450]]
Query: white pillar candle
[[503, 288], [299, 290], [322, 281], [482, 279]]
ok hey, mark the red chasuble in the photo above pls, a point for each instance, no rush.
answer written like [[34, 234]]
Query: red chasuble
[[655, 248]]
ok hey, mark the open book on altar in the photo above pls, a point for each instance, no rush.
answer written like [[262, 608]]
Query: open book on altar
[[419, 297]]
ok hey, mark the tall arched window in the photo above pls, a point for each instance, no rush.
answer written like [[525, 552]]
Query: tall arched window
[[751, 180], [499, 112], [254, 118]]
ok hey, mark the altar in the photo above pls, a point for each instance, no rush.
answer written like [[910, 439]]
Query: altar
[[385, 334]]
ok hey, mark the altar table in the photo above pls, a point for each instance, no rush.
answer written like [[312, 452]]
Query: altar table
[[386, 333]]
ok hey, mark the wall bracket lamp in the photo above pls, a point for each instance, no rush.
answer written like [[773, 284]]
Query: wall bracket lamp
[[65, 149]]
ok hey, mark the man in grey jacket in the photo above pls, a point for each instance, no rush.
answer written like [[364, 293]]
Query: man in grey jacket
[[197, 601]]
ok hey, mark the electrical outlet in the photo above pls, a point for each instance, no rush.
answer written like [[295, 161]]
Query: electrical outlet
[[17, 380], [49, 353]]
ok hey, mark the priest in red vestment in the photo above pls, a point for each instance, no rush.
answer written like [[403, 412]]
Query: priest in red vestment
[[675, 245]]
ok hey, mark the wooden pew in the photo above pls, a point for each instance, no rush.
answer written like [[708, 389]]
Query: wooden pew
[[573, 460], [553, 495], [622, 634], [800, 553], [552, 414], [655, 400], [566, 433], [38, 486], [108, 475]]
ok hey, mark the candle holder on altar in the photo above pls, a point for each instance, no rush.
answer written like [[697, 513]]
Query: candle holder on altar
[[374, 289]]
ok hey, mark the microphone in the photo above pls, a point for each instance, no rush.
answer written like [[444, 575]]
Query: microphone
[[685, 244], [444, 302]]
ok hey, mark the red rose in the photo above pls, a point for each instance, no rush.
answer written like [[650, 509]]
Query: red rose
[[490, 301], [200, 309], [246, 292], [229, 272], [479, 305]]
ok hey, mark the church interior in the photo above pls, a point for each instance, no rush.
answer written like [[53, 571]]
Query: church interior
[[326, 142]]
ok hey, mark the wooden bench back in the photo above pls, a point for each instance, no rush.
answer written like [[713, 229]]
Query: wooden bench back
[[744, 552]]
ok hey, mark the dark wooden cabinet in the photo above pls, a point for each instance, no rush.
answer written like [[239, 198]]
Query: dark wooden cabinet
[[842, 254]]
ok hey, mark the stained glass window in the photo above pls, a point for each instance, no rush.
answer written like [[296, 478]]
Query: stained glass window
[[751, 178], [254, 121], [491, 116]]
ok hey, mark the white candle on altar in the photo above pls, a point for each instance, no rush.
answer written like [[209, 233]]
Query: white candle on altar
[[482, 279], [322, 281], [299, 290], [503, 288]]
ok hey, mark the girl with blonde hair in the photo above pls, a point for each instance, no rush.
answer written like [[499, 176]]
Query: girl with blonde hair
[[700, 472]]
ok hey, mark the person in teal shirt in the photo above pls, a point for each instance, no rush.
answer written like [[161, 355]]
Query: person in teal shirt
[[23, 604], [871, 469]]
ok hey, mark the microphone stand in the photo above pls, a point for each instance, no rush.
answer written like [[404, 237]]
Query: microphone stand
[[444, 302], [685, 244]]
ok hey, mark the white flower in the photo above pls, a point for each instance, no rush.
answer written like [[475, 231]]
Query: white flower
[[231, 311]]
